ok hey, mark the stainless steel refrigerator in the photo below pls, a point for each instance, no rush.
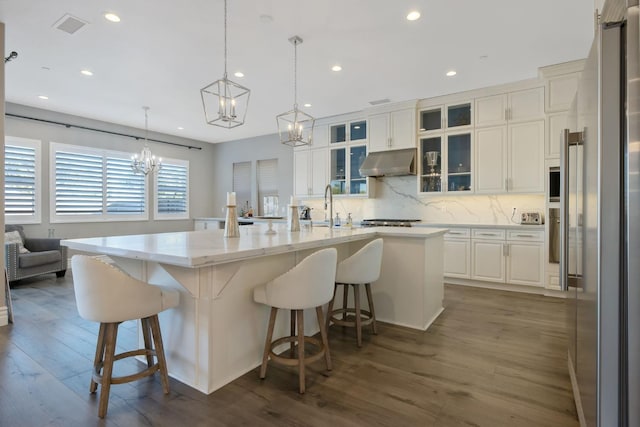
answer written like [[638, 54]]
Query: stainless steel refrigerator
[[600, 210]]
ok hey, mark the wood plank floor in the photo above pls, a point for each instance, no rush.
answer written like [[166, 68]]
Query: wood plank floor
[[492, 359]]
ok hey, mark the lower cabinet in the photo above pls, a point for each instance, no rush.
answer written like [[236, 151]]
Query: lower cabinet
[[457, 250], [495, 255]]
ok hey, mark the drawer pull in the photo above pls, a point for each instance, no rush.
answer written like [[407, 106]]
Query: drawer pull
[[524, 235], [487, 234], [455, 232]]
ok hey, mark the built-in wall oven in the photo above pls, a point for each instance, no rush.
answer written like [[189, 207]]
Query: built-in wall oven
[[554, 184]]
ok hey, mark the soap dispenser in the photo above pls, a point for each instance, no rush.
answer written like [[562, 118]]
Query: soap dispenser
[[336, 221], [349, 222]]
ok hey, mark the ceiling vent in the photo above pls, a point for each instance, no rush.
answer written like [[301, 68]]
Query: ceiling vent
[[380, 101], [69, 24]]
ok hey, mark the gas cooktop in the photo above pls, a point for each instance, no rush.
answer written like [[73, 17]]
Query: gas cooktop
[[388, 222]]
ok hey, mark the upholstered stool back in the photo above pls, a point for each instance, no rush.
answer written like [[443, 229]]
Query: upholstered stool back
[[108, 295], [307, 285], [361, 268]]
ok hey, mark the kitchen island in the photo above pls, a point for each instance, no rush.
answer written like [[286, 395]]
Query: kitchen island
[[217, 332]]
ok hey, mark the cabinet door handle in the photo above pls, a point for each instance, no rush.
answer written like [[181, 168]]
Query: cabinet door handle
[[506, 114], [506, 184], [505, 249], [388, 142]]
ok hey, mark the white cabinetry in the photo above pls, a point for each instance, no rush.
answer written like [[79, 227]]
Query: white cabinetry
[[525, 258], [392, 131], [512, 257], [556, 122], [208, 224], [457, 253], [310, 172], [488, 255], [510, 107], [510, 158], [560, 92]]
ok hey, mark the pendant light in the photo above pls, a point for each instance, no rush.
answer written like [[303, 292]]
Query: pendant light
[[225, 102], [146, 163], [295, 127]]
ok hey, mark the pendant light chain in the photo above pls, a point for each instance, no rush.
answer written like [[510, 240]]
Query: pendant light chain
[[225, 39], [295, 74], [146, 125]]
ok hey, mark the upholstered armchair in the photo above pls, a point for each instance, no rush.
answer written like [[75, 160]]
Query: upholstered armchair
[[45, 255]]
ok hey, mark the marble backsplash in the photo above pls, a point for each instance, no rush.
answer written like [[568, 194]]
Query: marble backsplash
[[396, 197]]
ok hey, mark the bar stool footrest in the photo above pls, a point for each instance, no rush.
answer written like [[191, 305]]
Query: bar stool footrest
[[290, 361], [365, 315], [97, 376]]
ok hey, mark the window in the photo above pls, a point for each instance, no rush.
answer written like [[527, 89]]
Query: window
[[268, 187], [90, 185], [242, 185], [172, 195], [22, 181]]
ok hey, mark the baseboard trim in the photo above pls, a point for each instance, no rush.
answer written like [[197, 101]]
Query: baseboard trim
[[576, 392], [537, 290]]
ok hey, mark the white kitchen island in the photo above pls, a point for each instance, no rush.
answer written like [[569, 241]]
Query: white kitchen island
[[217, 332]]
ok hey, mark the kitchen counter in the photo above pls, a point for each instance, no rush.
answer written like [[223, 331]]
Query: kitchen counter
[[217, 331], [502, 226]]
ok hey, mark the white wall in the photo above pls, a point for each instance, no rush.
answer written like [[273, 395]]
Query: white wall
[[250, 149], [200, 168]]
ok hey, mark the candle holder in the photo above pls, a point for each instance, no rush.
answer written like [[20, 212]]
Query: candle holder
[[293, 224], [231, 227]]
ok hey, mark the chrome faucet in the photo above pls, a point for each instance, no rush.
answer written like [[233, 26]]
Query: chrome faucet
[[328, 188]]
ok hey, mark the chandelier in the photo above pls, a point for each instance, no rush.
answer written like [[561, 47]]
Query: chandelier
[[146, 162], [295, 127], [225, 102]]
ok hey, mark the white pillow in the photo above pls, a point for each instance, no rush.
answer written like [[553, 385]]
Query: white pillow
[[14, 237]]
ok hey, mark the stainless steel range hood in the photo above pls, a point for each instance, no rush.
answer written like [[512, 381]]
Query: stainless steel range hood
[[390, 163]]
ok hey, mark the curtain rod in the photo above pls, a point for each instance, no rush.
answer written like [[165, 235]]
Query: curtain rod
[[69, 125]]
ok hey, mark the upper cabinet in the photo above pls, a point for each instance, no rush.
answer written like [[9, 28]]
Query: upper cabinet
[[393, 130], [341, 133], [446, 117], [511, 107], [560, 92], [446, 163], [310, 165], [344, 170]]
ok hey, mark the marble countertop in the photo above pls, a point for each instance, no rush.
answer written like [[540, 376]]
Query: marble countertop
[[499, 226], [208, 247]]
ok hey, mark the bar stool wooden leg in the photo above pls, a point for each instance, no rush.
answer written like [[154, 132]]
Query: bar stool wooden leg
[[267, 344], [356, 297], [146, 334], [111, 334], [99, 358], [323, 335], [300, 316], [154, 322], [330, 307], [345, 299], [371, 309], [292, 345]]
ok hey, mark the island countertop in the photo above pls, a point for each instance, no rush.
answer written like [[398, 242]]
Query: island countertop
[[209, 247]]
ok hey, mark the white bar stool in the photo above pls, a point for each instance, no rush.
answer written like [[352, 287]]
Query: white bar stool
[[307, 285], [363, 267], [108, 295]]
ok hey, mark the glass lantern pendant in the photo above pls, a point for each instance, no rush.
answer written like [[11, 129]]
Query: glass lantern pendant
[[225, 102], [295, 126]]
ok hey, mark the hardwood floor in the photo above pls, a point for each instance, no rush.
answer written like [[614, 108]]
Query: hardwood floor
[[491, 359]]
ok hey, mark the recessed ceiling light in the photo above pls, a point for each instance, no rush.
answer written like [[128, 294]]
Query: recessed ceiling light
[[43, 97], [336, 68], [111, 17], [239, 74], [307, 105], [356, 127], [451, 73], [180, 128], [86, 72], [413, 15]]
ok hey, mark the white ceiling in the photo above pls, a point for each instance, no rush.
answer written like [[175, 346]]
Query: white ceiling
[[164, 51]]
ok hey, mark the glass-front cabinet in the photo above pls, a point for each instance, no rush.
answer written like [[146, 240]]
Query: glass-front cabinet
[[348, 132], [345, 170], [446, 163], [444, 117]]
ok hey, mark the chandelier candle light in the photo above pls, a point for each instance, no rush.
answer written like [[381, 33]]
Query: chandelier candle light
[[225, 102], [295, 127], [146, 163]]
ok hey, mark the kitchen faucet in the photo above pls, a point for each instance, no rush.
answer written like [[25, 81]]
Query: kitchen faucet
[[328, 188]]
